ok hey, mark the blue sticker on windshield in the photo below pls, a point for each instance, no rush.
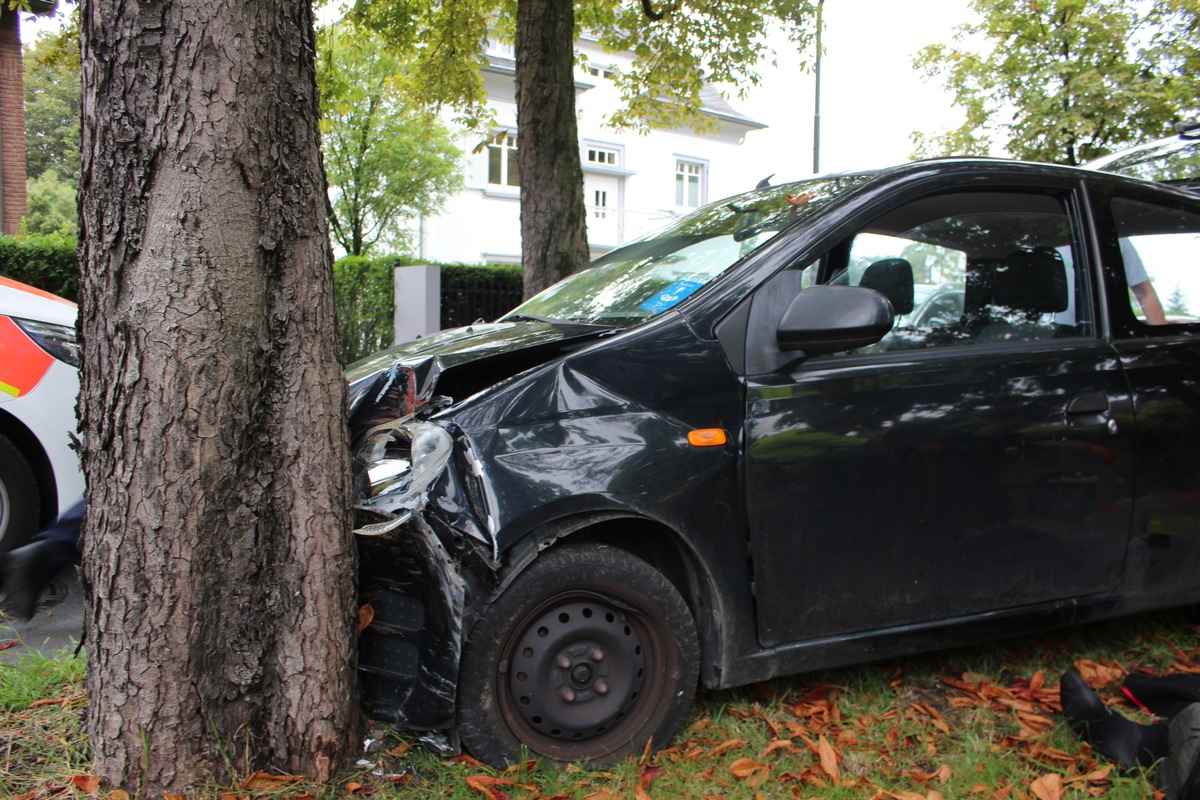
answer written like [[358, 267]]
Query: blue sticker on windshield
[[669, 296]]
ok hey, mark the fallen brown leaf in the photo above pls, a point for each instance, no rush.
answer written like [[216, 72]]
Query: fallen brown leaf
[[1097, 674], [778, 744], [265, 780], [602, 794], [366, 615], [88, 784], [829, 760], [57, 701], [1047, 787], [527, 766], [726, 746], [649, 773], [489, 786], [752, 773]]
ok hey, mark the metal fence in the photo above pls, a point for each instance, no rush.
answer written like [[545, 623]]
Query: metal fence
[[471, 294]]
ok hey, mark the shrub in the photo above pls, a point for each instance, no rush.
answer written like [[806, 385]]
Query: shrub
[[364, 296], [363, 288], [45, 261]]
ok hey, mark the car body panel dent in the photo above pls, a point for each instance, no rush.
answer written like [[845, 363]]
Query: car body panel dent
[[591, 436], [397, 381], [610, 424]]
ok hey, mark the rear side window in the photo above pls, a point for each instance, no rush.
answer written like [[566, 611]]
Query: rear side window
[[1159, 250]]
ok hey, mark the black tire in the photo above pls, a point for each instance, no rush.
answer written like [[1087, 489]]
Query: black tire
[[587, 655], [20, 502]]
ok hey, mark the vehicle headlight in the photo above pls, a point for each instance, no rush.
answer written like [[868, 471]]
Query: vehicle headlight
[[57, 340], [395, 466]]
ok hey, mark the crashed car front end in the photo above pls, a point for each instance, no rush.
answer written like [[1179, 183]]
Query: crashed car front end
[[476, 450], [425, 545]]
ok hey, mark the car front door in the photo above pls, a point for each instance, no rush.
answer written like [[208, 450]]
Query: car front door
[[959, 466]]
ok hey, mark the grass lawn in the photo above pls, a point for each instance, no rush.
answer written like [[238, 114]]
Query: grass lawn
[[979, 722]]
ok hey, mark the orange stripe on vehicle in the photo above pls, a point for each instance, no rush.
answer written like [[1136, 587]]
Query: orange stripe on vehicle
[[22, 363]]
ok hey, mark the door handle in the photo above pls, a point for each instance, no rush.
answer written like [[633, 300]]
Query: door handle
[[1091, 411]]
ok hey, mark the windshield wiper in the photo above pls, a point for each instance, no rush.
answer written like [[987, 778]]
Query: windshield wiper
[[555, 321], [536, 318]]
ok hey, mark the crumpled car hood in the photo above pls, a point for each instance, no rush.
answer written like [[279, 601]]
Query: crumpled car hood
[[395, 382]]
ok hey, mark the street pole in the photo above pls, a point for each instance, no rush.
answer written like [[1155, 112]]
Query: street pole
[[817, 107]]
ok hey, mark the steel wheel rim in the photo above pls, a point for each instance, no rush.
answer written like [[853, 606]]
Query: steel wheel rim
[[577, 677]]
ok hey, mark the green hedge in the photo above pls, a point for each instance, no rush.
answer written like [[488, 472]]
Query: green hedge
[[47, 262], [364, 296], [363, 288]]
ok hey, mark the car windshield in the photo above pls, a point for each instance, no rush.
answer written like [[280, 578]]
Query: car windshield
[[655, 273], [1174, 160]]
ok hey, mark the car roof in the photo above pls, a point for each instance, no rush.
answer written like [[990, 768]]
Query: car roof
[[973, 165], [1173, 160]]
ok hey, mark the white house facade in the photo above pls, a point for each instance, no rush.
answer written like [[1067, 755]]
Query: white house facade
[[632, 182]]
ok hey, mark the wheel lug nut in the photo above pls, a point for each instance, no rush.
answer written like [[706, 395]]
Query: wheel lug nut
[[601, 687], [564, 662], [597, 654], [568, 696]]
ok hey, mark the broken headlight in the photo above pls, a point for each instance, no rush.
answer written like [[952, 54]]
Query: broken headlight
[[395, 465]]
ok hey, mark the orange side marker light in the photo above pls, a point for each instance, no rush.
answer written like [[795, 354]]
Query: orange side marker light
[[707, 437]]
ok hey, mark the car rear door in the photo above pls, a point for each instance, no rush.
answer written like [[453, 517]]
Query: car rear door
[[957, 467], [1151, 258]]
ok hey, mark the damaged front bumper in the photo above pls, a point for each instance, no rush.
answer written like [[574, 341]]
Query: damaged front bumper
[[423, 553]]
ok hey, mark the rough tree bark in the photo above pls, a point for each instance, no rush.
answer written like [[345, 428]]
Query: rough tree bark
[[553, 218], [218, 562]]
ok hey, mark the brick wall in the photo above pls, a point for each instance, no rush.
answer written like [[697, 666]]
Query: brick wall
[[12, 124]]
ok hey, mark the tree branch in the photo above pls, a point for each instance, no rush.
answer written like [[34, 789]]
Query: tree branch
[[651, 13]]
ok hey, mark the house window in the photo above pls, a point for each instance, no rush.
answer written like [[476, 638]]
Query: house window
[[499, 48], [502, 160], [601, 204], [602, 72], [603, 156], [689, 184]]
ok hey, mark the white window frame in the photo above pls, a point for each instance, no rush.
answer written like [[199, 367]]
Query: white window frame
[[600, 206], [502, 49], [685, 170], [606, 71], [602, 155], [506, 143]]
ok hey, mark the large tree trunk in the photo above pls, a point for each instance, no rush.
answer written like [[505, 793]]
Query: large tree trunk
[[553, 220], [218, 559]]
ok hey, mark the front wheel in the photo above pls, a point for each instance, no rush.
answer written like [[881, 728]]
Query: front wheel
[[587, 655], [19, 502]]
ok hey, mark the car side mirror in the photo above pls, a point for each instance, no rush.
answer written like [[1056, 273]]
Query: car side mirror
[[828, 319]]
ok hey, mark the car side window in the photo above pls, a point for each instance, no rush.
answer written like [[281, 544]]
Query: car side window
[[923, 281], [1159, 249], [959, 269]]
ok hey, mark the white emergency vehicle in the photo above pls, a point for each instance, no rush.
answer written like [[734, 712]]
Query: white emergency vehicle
[[40, 476]]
